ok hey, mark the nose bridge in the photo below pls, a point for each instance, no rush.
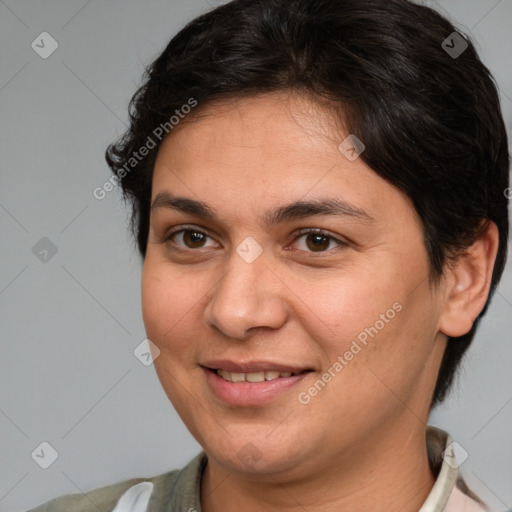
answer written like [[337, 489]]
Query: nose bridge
[[247, 296]]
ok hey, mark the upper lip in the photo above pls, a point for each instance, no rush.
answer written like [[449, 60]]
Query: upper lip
[[252, 366]]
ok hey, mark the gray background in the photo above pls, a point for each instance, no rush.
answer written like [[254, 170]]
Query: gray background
[[70, 324]]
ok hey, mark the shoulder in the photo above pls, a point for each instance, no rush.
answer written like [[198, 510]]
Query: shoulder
[[102, 498]]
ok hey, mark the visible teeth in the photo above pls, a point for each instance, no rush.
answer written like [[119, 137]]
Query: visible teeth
[[225, 375], [253, 376]]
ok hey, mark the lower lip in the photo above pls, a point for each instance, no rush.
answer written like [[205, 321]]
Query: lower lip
[[251, 393]]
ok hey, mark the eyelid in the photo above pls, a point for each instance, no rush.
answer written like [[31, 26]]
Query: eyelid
[[296, 235], [187, 227], [320, 231]]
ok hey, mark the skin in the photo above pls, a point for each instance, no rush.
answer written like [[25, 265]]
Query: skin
[[360, 442]]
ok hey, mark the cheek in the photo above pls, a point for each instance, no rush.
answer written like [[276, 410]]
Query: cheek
[[372, 320], [165, 303], [353, 305], [397, 343]]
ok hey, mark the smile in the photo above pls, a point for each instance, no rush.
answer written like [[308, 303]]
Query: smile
[[251, 384], [254, 376]]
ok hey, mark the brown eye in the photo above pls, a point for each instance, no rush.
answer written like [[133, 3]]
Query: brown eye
[[191, 238], [317, 241]]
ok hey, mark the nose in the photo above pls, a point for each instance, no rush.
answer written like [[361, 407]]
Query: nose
[[248, 296]]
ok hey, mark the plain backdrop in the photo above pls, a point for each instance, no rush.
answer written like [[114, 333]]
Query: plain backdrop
[[70, 275]]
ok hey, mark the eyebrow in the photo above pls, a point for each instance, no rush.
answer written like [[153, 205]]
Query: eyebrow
[[296, 210]]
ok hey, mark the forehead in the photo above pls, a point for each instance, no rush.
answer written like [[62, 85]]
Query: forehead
[[269, 149], [284, 126]]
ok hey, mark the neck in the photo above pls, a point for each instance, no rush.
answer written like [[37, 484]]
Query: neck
[[378, 475]]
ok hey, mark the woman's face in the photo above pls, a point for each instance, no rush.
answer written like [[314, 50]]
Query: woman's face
[[236, 297]]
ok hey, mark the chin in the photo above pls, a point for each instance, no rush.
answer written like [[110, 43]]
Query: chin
[[258, 455]]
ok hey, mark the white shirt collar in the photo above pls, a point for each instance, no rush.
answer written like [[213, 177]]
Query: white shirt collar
[[445, 496]]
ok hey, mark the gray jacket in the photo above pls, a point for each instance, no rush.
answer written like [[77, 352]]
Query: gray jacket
[[179, 490]]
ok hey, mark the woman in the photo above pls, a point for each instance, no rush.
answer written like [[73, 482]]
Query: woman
[[318, 193]]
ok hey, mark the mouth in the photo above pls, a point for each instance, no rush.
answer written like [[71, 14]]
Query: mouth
[[260, 376], [251, 384]]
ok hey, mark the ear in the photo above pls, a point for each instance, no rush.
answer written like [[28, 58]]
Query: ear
[[468, 282]]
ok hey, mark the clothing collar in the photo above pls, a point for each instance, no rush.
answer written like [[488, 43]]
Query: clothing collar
[[445, 495], [185, 491]]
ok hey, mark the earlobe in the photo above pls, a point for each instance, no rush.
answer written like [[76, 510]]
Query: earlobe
[[468, 283]]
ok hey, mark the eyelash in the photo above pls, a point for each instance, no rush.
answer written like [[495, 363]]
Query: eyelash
[[298, 234]]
